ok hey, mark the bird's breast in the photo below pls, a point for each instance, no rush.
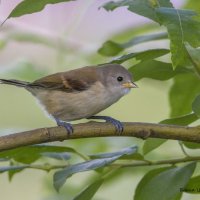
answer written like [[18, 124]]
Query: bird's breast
[[77, 105]]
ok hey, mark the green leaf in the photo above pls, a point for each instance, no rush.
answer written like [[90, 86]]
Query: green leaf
[[182, 93], [145, 8], [90, 191], [191, 145], [178, 196], [155, 70], [61, 176], [111, 48], [12, 168], [104, 160], [164, 184], [142, 56], [144, 38], [196, 106], [193, 185], [182, 120], [30, 154], [58, 156], [135, 156], [194, 55], [32, 6], [132, 32], [193, 5], [181, 28], [180, 24], [152, 143], [16, 170], [126, 151], [147, 178]]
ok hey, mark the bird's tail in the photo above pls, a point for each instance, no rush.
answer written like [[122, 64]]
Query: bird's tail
[[14, 82]]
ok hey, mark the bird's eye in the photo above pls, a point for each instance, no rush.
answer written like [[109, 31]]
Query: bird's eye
[[119, 78]]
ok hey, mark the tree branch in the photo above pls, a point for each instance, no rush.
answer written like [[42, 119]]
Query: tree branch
[[96, 129]]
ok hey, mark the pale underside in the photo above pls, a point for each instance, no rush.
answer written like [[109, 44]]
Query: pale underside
[[77, 105]]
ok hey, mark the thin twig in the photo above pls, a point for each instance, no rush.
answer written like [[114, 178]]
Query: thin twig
[[159, 162], [117, 166]]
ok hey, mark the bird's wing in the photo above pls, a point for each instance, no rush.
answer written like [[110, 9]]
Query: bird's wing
[[71, 81]]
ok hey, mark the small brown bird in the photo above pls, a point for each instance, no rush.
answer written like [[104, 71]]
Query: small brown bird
[[80, 93]]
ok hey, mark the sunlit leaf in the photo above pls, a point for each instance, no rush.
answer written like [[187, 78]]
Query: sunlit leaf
[[145, 8], [16, 170], [193, 185], [135, 156], [90, 191], [105, 159], [155, 70], [194, 55], [131, 32], [61, 176], [191, 145], [31, 6], [182, 93], [58, 156], [182, 120], [181, 28], [126, 151], [180, 24], [152, 143], [193, 5], [196, 106], [12, 168], [164, 184], [143, 56], [111, 48], [147, 178], [30, 154]]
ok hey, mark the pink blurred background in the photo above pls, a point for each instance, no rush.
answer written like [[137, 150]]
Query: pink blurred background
[[81, 25]]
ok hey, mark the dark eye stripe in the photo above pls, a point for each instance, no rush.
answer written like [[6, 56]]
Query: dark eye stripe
[[119, 78]]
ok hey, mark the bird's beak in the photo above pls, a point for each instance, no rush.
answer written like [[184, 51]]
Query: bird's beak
[[129, 85]]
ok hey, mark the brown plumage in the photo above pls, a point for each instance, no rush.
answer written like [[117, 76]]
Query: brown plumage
[[74, 80]]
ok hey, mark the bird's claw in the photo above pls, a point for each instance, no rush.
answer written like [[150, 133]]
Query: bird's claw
[[66, 125], [118, 125]]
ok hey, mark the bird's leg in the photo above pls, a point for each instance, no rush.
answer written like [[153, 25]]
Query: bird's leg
[[118, 125], [66, 125]]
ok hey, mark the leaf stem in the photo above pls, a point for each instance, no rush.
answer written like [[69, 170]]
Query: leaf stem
[[84, 157], [183, 149], [116, 166], [159, 162]]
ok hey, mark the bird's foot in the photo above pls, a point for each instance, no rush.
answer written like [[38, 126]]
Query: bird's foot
[[118, 125], [66, 125]]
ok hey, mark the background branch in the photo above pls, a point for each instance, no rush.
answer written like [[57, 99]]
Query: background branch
[[119, 165], [95, 129]]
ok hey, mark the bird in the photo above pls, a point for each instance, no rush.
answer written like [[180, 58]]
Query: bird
[[80, 93]]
